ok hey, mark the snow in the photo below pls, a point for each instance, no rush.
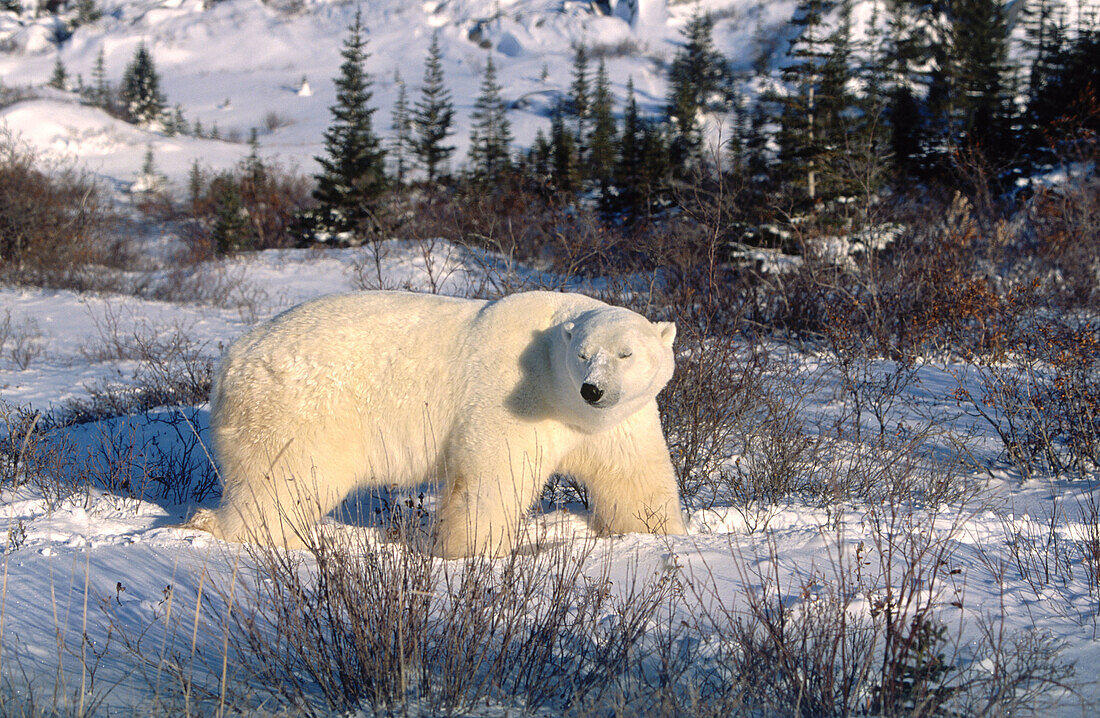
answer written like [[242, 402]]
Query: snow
[[124, 551]]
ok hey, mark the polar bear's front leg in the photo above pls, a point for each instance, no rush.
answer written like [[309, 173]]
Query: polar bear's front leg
[[486, 499], [629, 477]]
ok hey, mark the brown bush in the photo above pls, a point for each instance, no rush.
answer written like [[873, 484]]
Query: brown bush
[[1067, 238], [255, 206], [55, 222]]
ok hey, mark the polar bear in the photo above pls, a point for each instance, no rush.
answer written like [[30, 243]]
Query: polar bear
[[491, 397]]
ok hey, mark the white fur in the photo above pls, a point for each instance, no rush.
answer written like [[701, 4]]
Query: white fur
[[383, 388]]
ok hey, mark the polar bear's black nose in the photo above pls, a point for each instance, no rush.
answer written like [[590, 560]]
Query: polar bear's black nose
[[591, 393]]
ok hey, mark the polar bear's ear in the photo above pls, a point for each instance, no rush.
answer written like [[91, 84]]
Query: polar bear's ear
[[567, 331], [668, 332]]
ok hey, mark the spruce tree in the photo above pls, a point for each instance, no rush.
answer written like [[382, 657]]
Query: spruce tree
[[1064, 105], [842, 121], [539, 157], [401, 124], [101, 87], [968, 89], [434, 115], [60, 75], [142, 100], [255, 172], [656, 162], [1043, 39], [601, 143], [195, 182], [629, 168], [148, 163], [980, 44], [698, 76], [801, 127], [352, 169], [232, 231], [176, 123], [903, 111], [563, 154], [580, 101], [491, 134], [87, 12]]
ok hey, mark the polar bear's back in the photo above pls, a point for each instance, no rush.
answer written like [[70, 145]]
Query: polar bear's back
[[354, 379]]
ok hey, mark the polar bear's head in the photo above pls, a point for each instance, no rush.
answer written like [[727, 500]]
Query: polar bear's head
[[613, 361]]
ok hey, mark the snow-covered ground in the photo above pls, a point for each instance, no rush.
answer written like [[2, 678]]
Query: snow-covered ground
[[99, 563]]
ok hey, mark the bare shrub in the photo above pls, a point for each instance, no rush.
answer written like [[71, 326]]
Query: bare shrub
[[864, 632], [219, 284], [1089, 547], [255, 206], [153, 454], [1043, 398], [275, 120], [22, 341], [173, 368], [715, 396], [627, 47], [388, 627], [55, 222]]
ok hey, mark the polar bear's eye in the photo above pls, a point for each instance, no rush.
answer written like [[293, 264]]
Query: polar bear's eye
[[582, 356], [626, 354]]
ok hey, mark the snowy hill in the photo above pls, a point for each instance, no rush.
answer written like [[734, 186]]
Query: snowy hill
[[239, 64]]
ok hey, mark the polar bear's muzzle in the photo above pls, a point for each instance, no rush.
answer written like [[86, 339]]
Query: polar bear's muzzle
[[591, 393], [600, 384], [599, 394]]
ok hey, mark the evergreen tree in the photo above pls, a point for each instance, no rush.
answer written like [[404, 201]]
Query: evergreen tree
[[902, 111], [60, 75], [1043, 39], [656, 163], [580, 100], [87, 12], [255, 172], [401, 124], [195, 182], [1046, 40], [800, 136], [101, 87], [433, 115], [968, 89], [563, 154], [491, 134], [148, 164], [1065, 103], [980, 42], [148, 180], [352, 170], [843, 121], [601, 143], [176, 123], [698, 78], [629, 171], [140, 93], [232, 231], [539, 157]]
